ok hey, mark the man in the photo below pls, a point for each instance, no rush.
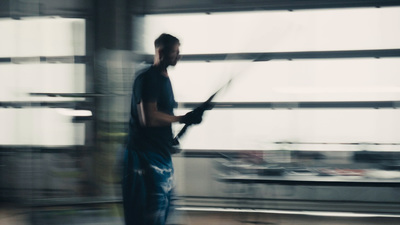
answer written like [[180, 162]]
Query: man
[[148, 170]]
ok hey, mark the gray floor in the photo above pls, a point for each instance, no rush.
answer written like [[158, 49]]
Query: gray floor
[[110, 215], [275, 219]]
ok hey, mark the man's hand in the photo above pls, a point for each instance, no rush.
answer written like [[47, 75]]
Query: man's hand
[[193, 117]]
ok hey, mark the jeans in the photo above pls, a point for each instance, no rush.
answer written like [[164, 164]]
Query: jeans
[[147, 187]]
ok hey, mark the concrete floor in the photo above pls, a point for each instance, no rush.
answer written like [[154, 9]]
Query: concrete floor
[[280, 219], [13, 216], [96, 216]]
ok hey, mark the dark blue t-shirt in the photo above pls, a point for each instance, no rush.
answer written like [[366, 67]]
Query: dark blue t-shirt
[[151, 85]]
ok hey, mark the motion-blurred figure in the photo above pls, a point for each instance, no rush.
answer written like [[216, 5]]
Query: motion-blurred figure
[[148, 170]]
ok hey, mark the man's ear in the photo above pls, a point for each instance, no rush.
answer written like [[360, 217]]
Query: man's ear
[[160, 53]]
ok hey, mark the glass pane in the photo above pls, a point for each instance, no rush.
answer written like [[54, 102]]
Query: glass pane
[[8, 82], [63, 37], [277, 31], [297, 80], [30, 37], [17, 81], [331, 130], [42, 127], [8, 44]]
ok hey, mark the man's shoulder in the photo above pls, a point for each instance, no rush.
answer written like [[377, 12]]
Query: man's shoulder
[[145, 69], [143, 74], [149, 73]]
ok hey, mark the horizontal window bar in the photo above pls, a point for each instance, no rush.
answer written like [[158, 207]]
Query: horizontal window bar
[[35, 104], [5, 60], [319, 182], [46, 59], [294, 105], [227, 6], [43, 149], [76, 95], [283, 55]]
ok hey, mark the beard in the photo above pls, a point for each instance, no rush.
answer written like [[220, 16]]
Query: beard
[[173, 62]]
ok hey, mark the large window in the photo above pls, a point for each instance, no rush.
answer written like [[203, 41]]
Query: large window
[[39, 55], [357, 86]]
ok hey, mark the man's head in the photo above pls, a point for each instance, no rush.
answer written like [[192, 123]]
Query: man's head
[[167, 49]]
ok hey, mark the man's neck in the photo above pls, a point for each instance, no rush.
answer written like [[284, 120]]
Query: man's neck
[[162, 68]]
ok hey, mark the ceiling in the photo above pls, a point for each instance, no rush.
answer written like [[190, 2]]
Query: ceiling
[[84, 8]]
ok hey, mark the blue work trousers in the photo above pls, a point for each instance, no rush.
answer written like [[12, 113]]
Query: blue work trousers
[[147, 186]]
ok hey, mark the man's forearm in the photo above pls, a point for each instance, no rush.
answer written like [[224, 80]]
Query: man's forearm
[[151, 117], [157, 118]]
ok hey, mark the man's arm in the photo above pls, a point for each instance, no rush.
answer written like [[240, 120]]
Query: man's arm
[[151, 117]]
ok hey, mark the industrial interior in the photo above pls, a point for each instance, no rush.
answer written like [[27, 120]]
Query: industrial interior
[[307, 132]]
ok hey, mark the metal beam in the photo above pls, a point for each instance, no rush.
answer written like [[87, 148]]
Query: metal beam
[[266, 56], [298, 105], [210, 6], [44, 104], [46, 59]]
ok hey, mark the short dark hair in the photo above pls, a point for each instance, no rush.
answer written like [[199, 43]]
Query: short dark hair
[[166, 41]]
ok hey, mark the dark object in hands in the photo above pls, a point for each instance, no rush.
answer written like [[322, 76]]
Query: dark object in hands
[[207, 105], [193, 117], [190, 118]]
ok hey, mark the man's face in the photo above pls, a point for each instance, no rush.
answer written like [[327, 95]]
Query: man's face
[[173, 56]]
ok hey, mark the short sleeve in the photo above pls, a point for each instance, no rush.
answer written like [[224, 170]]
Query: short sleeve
[[150, 90]]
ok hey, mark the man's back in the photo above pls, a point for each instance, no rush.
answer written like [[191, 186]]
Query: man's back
[[151, 86]]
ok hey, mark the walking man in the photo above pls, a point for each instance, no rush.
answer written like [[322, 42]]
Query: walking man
[[148, 170]]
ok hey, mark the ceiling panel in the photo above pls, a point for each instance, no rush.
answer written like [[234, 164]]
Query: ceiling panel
[[187, 6], [28, 8]]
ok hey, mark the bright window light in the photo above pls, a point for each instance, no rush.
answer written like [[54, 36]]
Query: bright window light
[[8, 82], [249, 129], [39, 127], [278, 31], [19, 80], [297, 80], [73, 112], [8, 43], [42, 36]]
